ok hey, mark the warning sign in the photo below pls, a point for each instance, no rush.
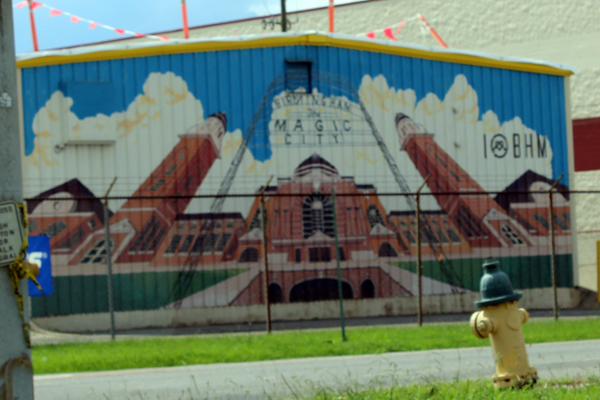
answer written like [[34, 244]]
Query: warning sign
[[11, 232]]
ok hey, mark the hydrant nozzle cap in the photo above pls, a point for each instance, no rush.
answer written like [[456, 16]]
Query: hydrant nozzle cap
[[495, 286]]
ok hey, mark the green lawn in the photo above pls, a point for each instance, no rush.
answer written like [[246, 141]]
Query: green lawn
[[163, 352], [469, 390]]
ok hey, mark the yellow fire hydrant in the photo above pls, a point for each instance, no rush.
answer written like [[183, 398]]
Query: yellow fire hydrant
[[501, 320]]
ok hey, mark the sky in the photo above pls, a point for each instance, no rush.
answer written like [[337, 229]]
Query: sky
[[143, 16]]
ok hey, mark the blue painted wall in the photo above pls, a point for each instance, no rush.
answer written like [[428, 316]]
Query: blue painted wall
[[236, 80]]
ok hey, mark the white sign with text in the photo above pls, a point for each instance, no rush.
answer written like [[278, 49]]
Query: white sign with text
[[11, 232]]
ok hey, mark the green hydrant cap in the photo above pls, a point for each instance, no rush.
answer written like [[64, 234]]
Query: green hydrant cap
[[495, 286]]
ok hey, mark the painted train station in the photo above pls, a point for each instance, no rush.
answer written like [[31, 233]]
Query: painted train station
[[152, 229], [195, 137]]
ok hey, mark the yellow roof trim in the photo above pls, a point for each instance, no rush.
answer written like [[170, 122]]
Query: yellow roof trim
[[311, 39]]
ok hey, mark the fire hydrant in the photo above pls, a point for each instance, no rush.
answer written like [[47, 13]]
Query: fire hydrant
[[501, 320]]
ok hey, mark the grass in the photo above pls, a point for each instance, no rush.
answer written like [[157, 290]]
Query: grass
[[469, 390], [162, 352]]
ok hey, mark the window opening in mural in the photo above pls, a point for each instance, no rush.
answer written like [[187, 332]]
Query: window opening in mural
[[175, 240], [567, 218], [511, 234], [374, 216], [74, 239], [541, 220], [172, 168], [455, 176], [453, 235], [469, 224], [55, 229], [523, 222], [298, 255], [441, 236], [560, 223], [223, 242], [211, 240], [185, 246], [157, 239], [275, 293], [428, 237], [319, 254], [317, 216], [386, 250], [367, 289], [342, 254], [409, 235], [157, 185], [148, 236], [97, 254], [298, 75], [441, 160], [249, 255], [197, 247]]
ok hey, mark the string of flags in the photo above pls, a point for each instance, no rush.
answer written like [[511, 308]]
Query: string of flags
[[75, 19], [390, 34]]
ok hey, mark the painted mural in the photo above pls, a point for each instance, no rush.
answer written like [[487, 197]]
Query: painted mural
[[175, 243]]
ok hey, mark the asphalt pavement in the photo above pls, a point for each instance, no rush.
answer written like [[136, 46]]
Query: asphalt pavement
[[294, 377]]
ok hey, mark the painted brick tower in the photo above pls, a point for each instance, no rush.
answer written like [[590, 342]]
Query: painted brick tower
[[139, 227], [479, 217]]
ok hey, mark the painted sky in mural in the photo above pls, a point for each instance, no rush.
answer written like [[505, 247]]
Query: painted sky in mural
[[298, 124]]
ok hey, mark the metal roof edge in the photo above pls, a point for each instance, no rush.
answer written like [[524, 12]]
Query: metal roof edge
[[315, 38]]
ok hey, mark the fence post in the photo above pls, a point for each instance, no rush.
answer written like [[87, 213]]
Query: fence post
[[263, 227], [339, 270], [552, 245], [108, 245], [419, 262]]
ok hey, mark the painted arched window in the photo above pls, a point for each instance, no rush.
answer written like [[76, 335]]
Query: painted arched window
[[317, 216], [386, 250], [367, 289], [249, 255], [275, 293]]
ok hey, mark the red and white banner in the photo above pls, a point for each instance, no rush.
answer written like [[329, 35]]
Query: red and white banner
[[390, 34], [76, 19]]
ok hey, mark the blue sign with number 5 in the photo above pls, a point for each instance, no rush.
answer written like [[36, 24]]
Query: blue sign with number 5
[[39, 253]]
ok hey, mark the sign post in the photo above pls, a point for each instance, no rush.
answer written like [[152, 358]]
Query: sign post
[[16, 372]]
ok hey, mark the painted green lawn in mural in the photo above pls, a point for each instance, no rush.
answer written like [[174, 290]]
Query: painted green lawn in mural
[[173, 351], [140, 291], [525, 272]]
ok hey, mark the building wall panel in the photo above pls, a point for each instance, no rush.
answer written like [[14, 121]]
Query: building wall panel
[[504, 129]]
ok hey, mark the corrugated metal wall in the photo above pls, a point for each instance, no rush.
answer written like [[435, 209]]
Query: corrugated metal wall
[[92, 121]]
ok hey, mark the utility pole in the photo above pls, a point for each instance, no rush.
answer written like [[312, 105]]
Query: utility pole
[[16, 374], [283, 17]]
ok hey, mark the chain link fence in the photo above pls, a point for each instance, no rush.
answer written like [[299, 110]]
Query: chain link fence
[[168, 255]]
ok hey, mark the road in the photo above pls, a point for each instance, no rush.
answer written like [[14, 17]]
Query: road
[[287, 378]]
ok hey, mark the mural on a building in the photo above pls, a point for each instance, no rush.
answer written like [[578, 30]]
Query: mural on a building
[[313, 135]]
